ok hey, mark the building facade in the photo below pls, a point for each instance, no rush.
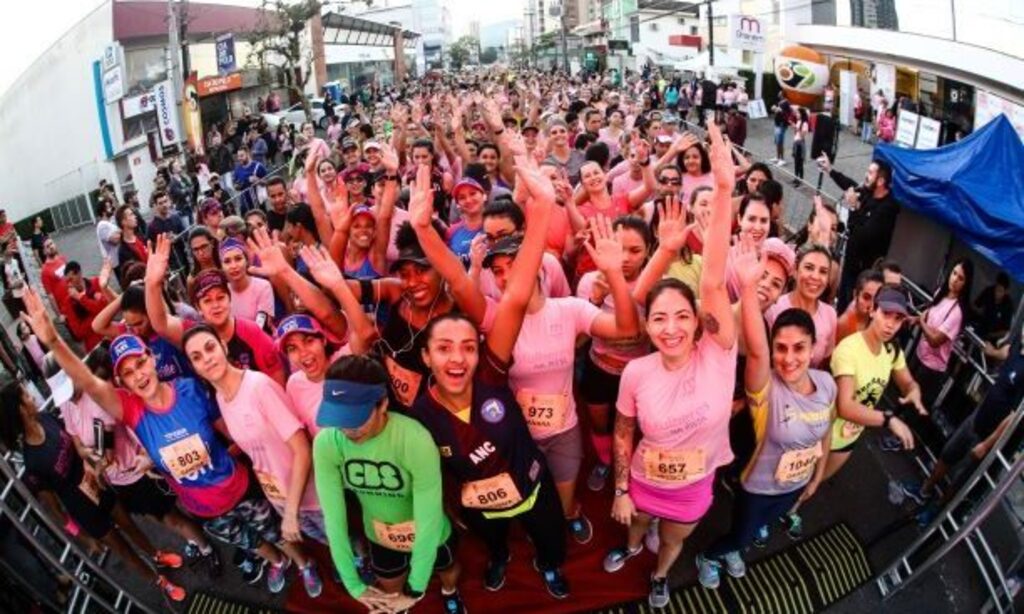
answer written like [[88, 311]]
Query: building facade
[[430, 18]]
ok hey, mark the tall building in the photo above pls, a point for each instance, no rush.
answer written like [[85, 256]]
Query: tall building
[[431, 18], [474, 29]]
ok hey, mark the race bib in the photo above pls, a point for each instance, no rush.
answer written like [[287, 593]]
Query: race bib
[[90, 487], [543, 411], [674, 466], [797, 465], [398, 537], [851, 430], [185, 457], [270, 486], [404, 382], [495, 493]]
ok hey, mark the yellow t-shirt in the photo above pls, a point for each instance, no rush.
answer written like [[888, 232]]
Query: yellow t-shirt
[[870, 373], [688, 272]]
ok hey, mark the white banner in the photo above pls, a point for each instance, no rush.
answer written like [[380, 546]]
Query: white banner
[[113, 85], [746, 32], [137, 105], [847, 97], [988, 106], [906, 128], [167, 113], [883, 77], [756, 109], [928, 133]]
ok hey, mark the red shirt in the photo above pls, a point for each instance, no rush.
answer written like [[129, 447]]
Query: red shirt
[[81, 312], [52, 273]]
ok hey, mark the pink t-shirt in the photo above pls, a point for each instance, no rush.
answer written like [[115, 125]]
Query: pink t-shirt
[[683, 413], [553, 283], [259, 296], [691, 183], [612, 355], [306, 395], [543, 359], [624, 184], [948, 318], [79, 417], [619, 206], [261, 420], [825, 324]]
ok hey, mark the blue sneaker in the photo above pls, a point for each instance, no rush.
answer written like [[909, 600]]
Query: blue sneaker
[[453, 603], [277, 577], [734, 564], [927, 515], [555, 582], [708, 572], [581, 529], [617, 557], [761, 539], [311, 580], [914, 491]]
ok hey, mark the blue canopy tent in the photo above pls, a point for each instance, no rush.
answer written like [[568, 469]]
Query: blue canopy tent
[[974, 187]]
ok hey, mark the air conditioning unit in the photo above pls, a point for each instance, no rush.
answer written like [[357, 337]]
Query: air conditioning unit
[[654, 27]]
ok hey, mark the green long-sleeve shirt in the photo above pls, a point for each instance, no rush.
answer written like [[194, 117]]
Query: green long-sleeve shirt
[[397, 478]]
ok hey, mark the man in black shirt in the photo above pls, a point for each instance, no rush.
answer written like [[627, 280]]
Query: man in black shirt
[[167, 221], [994, 309], [873, 212], [277, 196]]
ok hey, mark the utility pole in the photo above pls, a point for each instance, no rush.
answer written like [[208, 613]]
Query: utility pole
[[711, 33], [186, 59], [565, 44]]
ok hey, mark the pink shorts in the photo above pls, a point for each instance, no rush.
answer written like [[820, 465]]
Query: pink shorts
[[686, 505]]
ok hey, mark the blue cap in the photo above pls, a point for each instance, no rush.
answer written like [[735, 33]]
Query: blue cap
[[348, 405], [126, 346]]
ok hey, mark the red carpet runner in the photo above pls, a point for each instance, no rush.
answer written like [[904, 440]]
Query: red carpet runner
[[591, 588]]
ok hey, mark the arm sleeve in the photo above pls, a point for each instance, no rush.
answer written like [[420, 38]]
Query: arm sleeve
[[327, 471], [427, 505], [558, 285], [842, 180], [267, 358]]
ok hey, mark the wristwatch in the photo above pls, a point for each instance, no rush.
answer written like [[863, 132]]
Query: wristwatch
[[391, 177], [888, 418], [497, 132], [621, 491]]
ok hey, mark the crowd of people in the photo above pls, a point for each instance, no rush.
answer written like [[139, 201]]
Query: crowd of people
[[441, 326]]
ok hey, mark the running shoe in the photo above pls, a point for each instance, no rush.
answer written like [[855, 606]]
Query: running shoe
[[193, 555], [311, 580], [794, 526], [363, 568], [555, 582], [278, 575], [781, 163], [617, 557], [761, 538], [707, 572], [659, 596], [494, 576], [652, 539], [581, 529], [167, 560], [598, 477], [914, 491], [453, 603], [890, 443], [734, 564], [252, 568], [172, 590]]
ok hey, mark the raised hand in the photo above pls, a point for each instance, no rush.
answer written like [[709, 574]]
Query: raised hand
[[722, 166], [685, 141], [389, 158], [492, 115], [537, 185], [748, 265], [159, 260], [514, 142], [271, 256], [341, 214], [604, 246], [323, 269], [477, 251], [37, 318], [672, 228], [421, 198]]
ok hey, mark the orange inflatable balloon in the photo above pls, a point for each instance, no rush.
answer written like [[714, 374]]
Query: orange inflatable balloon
[[802, 73]]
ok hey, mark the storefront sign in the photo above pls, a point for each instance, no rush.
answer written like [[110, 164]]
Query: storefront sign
[[928, 133], [906, 128], [111, 56], [137, 105], [113, 84], [746, 32], [988, 106], [167, 113], [215, 85], [883, 77], [225, 44]]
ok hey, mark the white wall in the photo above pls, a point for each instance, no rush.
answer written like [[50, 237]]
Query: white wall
[[52, 148], [653, 44]]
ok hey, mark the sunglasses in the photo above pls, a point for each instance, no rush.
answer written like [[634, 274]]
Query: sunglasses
[[672, 181]]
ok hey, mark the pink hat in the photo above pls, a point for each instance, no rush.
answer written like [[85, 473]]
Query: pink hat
[[775, 249]]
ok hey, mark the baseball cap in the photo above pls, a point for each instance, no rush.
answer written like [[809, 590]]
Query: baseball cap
[[505, 246], [363, 210], [664, 138], [892, 300], [465, 182], [297, 323], [126, 346], [777, 250], [348, 405], [409, 254], [348, 143], [360, 169], [208, 280], [533, 127], [371, 145]]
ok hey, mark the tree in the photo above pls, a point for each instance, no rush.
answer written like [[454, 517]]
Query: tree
[[489, 55], [277, 42], [463, 50]]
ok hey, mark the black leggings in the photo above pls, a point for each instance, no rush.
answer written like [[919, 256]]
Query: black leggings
[[750, 513], [798, 158], [544, 523]]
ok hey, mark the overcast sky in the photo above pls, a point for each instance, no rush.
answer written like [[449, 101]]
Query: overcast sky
[[50, 19]]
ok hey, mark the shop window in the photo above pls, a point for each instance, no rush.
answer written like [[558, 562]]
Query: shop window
[[144, 68], [135, 127], [634, 28]]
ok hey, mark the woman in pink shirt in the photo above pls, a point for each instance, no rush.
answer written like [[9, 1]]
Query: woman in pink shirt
[[940, 325], [696, 170], [813, 267], [252, 298], [681, 399], [262, 422]]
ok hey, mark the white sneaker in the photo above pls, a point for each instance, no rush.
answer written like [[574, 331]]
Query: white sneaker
[[781, 163]]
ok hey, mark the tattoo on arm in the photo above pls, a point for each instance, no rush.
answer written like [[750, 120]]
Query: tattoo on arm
[[622, 447], [711, 325]]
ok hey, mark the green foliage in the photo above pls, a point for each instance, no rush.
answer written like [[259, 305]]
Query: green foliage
[[462, 50], [489, 55]]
